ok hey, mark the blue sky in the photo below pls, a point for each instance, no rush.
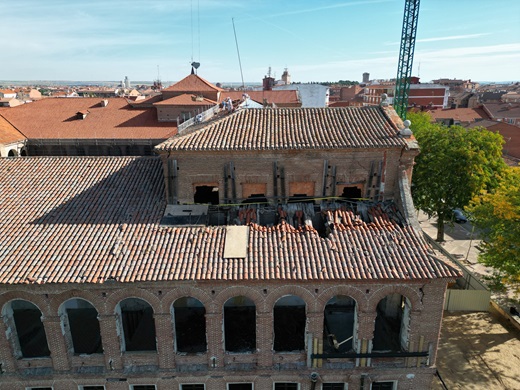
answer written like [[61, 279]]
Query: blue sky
[[316, 40]]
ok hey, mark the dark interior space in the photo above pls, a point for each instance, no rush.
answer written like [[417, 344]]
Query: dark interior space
[[388, 324], [206, 195], [190, 325], [138, 325], [192, 386], [240, 325], [351, 193], [285, 386], [333, 386], [84, 329], [240, 386], [383, 386], [300, 198], [30, 330], [338, 327], [255, 198], [289, 324]]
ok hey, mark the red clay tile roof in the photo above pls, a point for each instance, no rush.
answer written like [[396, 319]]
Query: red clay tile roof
[[279, 97], [459, 114], [192, 83], [55, 118], [185, 100], [293, 128], [90, 219], [8, 132]]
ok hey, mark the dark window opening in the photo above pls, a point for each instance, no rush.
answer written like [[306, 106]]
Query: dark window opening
[[240, 325], [143, 387], [23, 153], [255, 198], [382, 386], [39, 388], [333, 386], [339, 324], [138, 325], [391, 327], [30, 330], [351, 193], [289, 324], [193, 386], [190, 325], [285, 386], [206, 194], [92, 387], [240, 386], [11, 153], [84, 327], [300, 198]]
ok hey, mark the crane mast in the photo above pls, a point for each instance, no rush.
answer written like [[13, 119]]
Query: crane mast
[[404, 66]]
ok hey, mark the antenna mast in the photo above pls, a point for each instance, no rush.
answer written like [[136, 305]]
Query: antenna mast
[[238, 52]]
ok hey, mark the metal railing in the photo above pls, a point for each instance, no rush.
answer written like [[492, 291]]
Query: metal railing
[[199, 118]]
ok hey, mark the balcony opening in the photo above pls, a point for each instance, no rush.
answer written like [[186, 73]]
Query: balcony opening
[[190, 325], [81, 326], [351, 193], [240, 325], [137, 323], [340, 323], [206, 195], [392, 324], [289, 324], [25, 320]]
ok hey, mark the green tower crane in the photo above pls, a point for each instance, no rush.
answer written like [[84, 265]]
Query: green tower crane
[[404, 67]]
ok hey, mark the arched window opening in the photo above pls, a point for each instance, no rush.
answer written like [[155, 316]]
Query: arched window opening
[[12, 153], [138, 325], [24, 319], [190, 325], [339, 325], [240, 325], [81, 326], [289, 324], [392, 324]]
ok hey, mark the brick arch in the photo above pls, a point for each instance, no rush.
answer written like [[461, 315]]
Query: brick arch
[[236, 291], [297, 291], [60, 299], [405, 291], [194, 292], [114, 299], [353, 292], [35, 299]]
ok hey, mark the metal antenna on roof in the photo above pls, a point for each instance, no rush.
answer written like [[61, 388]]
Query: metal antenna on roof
[[238, 52]]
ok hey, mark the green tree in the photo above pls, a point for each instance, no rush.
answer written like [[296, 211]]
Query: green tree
[[497, 214], [454, 165]]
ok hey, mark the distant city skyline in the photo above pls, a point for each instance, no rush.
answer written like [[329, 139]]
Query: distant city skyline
[[316, 40]]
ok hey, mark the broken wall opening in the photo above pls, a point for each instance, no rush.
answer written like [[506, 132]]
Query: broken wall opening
[[80, 323], [240, 325], [392, 323], [339, 325], [289, 324], [24, 321], [190, 325], [351, 192], [138, 325], [206, 194]]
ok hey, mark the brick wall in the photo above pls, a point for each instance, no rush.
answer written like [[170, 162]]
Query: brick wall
[[215, 368]]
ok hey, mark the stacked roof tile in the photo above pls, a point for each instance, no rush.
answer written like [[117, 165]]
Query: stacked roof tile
[[91, 219], [293, 128]]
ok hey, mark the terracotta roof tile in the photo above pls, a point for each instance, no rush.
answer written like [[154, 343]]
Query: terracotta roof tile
[[185, 100], [8, 133], [55, 118], [459, 114], [192, 83], [90, 219], [294, 128]]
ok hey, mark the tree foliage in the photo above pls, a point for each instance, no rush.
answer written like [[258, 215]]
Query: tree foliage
[[497, 214], [454, 165]]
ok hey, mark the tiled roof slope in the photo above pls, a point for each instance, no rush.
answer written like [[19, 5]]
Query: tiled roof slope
[[8, 132], [460, 114], [55, 118], [293, 128], [91, 219], [193, 83]]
